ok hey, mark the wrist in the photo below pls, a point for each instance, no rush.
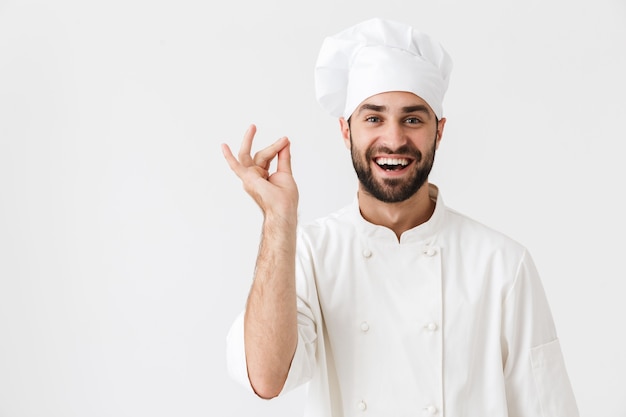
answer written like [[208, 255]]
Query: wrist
[[281, 220]]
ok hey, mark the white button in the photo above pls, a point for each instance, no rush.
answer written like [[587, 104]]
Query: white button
[[365, 326], [431, 409], [367, 253], [361, 405], [431, 326], [430, 251]]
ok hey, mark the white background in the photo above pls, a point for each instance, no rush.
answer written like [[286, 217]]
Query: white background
[[127, 245]]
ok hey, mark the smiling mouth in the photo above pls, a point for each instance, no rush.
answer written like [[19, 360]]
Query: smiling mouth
[[392, 164]]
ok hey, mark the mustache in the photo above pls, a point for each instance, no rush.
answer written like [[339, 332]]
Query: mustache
[[404, 150]]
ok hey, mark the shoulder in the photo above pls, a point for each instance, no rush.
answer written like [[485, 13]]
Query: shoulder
[[342, 219], [470, 233], [477, 251]]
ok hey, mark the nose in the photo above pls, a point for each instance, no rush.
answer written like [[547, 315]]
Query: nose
[[394, 135]]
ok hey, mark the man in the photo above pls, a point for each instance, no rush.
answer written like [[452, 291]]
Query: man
[[395, 305]]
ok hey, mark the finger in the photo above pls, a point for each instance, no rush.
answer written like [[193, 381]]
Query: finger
[[246, 145], [284, 159], [264, 157], [231, 160]]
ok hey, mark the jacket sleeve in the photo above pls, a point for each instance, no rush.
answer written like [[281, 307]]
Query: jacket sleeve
[[537, 383]]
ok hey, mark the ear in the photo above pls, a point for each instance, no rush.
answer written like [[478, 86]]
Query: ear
[[440, 126], [345, 131]]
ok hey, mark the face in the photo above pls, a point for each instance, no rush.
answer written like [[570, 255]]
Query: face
[[392, 137]]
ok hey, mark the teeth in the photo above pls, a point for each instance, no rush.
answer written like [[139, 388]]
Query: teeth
[[392, 161]]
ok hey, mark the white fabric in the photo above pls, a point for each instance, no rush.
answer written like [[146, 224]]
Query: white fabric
[[377, 56], [450, 321]]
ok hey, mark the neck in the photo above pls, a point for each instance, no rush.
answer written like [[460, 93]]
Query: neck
[[398, 217]]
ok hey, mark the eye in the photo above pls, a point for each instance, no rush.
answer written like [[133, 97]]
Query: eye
[[372, 119], [413, 120]]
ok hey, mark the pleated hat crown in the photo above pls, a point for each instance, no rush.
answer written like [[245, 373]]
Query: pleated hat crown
[[378, 56]]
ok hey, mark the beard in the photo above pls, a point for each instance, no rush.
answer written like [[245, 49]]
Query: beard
[[393, 190]]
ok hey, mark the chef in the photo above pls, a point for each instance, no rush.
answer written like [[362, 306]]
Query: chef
[[396, 305]]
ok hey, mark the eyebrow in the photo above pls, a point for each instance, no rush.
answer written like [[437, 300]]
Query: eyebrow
[[417, 108], [372, 107], [408, 109]]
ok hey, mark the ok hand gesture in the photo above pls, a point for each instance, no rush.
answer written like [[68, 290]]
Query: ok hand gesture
[[276, 193]]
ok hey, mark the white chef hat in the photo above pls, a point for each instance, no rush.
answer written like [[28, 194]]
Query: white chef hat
[[377, 56]]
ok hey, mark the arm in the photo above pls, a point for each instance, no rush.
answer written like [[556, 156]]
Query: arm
[[270, 322], [537, 383]]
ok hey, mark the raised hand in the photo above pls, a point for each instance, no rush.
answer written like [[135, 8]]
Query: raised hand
[[275, 193]]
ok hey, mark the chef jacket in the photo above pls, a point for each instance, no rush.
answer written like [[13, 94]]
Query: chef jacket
[[449, 320]]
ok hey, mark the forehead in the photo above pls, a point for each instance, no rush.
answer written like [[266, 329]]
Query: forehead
[[401, 98], [395, 101]]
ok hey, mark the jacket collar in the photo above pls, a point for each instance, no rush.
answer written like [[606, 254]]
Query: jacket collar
[[423, 233]]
